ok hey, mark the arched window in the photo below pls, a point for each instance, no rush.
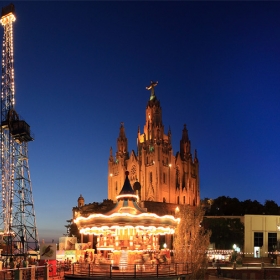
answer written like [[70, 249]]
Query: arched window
[[177, 177]]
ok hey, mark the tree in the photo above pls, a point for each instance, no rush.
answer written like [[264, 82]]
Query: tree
[[252, 207], [225, 232], [225, 206], [191, 240], [271, 207]]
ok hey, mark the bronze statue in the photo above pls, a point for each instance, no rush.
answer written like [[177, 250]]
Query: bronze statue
[[151, 87]]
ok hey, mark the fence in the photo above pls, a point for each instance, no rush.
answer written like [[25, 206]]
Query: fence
[[127, 271], [90, 270], [30, 273]]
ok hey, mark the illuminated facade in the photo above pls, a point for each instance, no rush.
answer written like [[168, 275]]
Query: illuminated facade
[[126, 227], [155, 173], [261, 235]]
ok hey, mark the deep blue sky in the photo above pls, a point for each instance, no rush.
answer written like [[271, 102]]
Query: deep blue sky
[[81, 68]]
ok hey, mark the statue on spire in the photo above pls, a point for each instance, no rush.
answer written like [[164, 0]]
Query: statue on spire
[[151, 87]]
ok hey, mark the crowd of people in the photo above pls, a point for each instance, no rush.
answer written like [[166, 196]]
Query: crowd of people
[[18, 262]]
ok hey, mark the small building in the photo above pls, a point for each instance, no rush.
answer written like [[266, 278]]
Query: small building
[[261, 236]]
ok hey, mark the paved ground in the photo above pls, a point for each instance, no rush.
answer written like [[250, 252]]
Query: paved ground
[[211, 277]]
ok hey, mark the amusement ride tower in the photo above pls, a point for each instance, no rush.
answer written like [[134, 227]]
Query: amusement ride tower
[[17, 214]]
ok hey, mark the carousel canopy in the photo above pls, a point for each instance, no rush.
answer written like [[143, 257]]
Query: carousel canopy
[[126, 214]]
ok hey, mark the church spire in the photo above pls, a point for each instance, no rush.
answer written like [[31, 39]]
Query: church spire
[[195, 156], [111, 158], [185, 144], [122, 141]]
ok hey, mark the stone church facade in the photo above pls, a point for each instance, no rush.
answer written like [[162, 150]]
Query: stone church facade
[[155, 173]]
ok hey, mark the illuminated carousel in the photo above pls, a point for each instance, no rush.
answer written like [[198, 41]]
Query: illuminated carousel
[[127, 230]]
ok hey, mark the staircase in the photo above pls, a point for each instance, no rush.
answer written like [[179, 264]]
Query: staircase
[[123, 260]]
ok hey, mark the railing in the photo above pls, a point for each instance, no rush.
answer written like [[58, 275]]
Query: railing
[[27, 273], [33, 272], [128, 271], [96, 271]]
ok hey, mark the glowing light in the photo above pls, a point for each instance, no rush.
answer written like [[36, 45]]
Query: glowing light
[[142, 215], [127, 196]]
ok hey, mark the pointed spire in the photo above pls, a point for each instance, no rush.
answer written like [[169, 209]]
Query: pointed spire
[[127, 189], [111, 158], [169, 130], [122, 132], [122, 141], [195, 156], [169, 135], [185, 144], [185, 136]]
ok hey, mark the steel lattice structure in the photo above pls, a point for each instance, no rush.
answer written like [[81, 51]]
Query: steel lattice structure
[[17, 220]]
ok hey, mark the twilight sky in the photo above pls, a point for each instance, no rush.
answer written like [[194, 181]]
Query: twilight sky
[[81, 69]]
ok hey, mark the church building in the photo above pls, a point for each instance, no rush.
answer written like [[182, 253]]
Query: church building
[[155, 173]]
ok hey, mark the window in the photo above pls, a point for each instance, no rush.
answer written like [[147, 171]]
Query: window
[[178, 199], [184, 199], [258, 239], [151, 177], [272, 241]]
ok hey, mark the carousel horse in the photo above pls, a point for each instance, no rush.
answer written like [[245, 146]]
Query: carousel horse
[[140, 263]]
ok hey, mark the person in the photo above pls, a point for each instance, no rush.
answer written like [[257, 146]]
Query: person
[[12, 264], [219, 272], [86, 256], [213, 262], [25, 262]]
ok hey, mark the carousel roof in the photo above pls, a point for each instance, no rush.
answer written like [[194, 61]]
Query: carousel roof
[[126, 214]]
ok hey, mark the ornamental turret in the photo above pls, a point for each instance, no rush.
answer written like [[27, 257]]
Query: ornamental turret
[[81, 201], [185, 144], [122, 143]]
